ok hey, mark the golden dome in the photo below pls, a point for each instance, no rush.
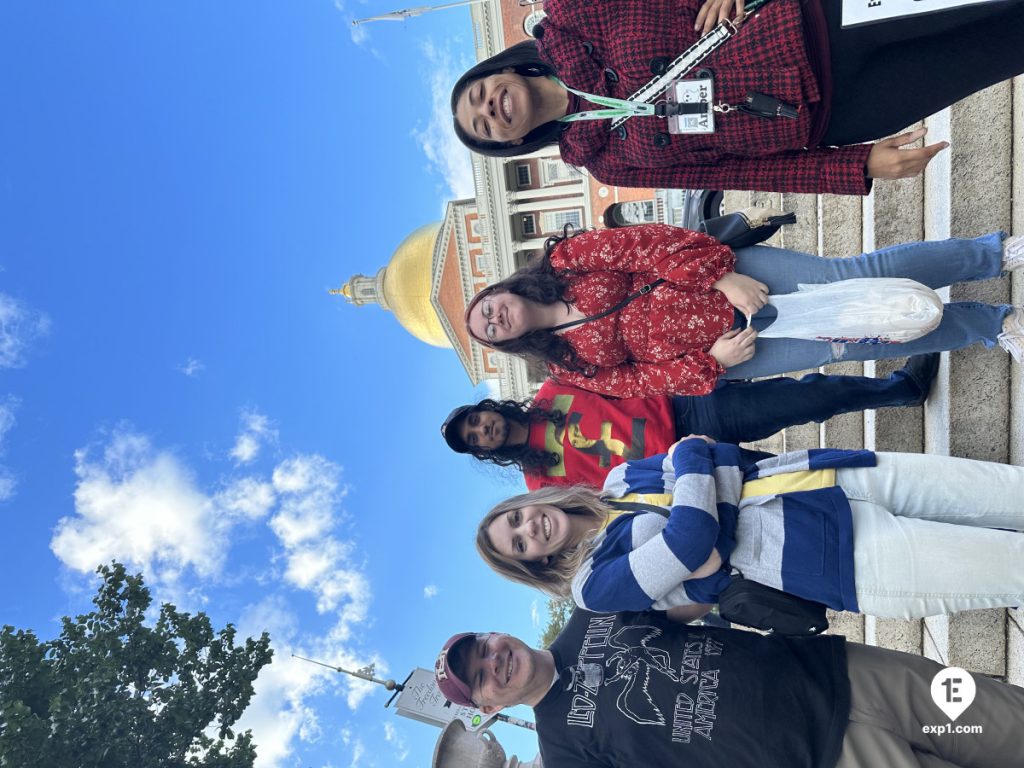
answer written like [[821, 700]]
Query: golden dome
[[407, 286]]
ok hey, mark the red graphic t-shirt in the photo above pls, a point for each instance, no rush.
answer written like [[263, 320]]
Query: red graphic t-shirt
[[598, 434]]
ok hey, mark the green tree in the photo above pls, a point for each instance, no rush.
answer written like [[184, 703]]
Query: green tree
[[559, 611], [111, 692]]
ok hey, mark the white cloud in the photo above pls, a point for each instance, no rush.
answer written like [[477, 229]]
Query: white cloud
[[247, 447], [278, 713], [191, 367], [358, 750], [488, 388], [393, 737], [8, 482], [145, 507], [20, 325], [140, 506], [7, 408], [430, 591], [358, 690], [256, 430], [360, 34], [308, 473], [310, 490], [356, 745], [248, 497], [535, 614], [445, 153]]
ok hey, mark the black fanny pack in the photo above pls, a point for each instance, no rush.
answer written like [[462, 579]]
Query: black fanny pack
[[754, 605]]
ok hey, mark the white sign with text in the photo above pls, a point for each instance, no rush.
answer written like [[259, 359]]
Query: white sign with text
[[868, 11], [422, 700]]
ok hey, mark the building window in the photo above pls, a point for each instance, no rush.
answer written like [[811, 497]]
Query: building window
[[532, 20], [529, 224], [481, 264], [555, 221], [555, 170], [523, 177]]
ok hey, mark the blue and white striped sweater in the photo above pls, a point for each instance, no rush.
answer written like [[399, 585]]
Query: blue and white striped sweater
[[801, 542]]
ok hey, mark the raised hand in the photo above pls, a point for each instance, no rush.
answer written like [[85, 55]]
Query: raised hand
[[714, 11], [887, 161]]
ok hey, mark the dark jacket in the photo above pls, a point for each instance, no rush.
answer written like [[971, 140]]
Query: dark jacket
[[614, 47]]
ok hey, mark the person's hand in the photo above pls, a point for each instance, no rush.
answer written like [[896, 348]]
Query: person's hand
[[734, 347], [714, 11], [674, 445], [745, 293], [887, 161], [711, 566]]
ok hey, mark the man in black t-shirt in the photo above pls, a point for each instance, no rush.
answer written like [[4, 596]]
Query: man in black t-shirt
[[622, 690]]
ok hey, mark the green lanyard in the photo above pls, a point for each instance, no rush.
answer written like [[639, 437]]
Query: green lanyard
[[615, 107]]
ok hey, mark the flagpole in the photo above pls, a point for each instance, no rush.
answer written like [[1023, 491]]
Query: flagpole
[[407, 13]]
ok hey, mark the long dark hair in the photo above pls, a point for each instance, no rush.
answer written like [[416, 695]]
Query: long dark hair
[[523, 457], [542, 283], [524, 60]]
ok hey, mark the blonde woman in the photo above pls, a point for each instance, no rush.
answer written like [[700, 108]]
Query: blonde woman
[[898, 535]]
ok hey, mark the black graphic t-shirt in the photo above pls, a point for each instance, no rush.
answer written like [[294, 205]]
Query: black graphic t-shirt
[[637, 690]]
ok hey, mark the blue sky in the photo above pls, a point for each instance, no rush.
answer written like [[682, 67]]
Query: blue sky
[[180, 184]]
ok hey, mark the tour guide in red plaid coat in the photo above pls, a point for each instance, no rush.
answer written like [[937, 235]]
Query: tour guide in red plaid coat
[[849, 86]]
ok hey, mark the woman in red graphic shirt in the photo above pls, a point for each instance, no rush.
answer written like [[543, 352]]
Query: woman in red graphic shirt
[[684, 334]]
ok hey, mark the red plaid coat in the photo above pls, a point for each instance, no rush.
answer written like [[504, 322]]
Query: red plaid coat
[[657, 344], [614, 47]]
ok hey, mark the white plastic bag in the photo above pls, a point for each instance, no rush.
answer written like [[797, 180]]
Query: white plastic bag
[[867, 310]]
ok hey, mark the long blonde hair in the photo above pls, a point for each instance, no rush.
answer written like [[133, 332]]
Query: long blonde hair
[[554, 577]]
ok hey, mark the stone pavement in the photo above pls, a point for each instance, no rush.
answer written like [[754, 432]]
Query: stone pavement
[[972, 188]]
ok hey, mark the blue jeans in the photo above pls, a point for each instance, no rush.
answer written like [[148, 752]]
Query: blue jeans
[[933, 263], [743, 411]]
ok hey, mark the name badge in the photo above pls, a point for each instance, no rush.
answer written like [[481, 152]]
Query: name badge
[[690, 106]]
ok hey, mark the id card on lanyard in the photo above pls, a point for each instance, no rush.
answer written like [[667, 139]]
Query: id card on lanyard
[[687, 103], [691, 106]]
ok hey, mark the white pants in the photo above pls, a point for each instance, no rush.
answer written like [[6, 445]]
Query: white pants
[[923, 534]]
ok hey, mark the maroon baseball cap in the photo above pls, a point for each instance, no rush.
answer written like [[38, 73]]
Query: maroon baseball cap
[[452, 686]]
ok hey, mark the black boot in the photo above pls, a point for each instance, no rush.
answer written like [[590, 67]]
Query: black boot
[[920, 370]]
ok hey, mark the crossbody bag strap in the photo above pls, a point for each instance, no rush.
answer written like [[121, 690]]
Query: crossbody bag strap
[[689, 59], [644, 290], [636, 506]]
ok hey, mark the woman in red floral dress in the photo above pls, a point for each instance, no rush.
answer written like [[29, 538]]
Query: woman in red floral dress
[[682, 335]]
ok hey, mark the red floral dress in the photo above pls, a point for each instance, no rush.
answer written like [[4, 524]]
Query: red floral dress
[[657, 344]]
